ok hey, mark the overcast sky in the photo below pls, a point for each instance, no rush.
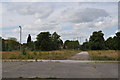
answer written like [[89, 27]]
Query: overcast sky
[[68, 19]]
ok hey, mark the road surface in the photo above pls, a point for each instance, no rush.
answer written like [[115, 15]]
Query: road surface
[[80, 56], [59, 70]]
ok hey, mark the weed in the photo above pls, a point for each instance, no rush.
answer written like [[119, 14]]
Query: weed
[[24, 51], [52, 55]]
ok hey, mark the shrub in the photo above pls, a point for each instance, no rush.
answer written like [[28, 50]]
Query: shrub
[[24, 51]]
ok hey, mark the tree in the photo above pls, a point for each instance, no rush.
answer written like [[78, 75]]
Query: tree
[[97, 41], [86, 46], [13, 44], [109, 43], [43, 41], [71, 44], [4, 45], [10, 44], [113, 43], [118, 40], [30, 44], [66, 44], [61, 44], [29, 38], [56, 41], [0, 43]]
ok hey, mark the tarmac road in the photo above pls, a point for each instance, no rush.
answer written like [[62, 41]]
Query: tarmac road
[[59, 70]]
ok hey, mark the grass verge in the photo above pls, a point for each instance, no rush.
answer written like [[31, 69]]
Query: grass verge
[[104, 55], [47, 55]]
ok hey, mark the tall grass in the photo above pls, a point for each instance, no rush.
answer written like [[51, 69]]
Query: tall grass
[[104, 55], [51, 55]]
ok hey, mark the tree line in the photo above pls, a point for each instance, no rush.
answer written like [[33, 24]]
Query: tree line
[[48, 42], [9, 44], [97, 42]]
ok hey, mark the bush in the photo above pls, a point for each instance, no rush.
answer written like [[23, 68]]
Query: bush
[[24, 51]]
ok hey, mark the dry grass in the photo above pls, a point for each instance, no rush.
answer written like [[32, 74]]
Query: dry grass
[[61, 54], [9, 54], [104, 55], [53, 55]]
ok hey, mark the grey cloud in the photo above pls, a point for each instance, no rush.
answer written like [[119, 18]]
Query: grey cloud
[[83, 15], [106, 22], [38, 10], [47, 17]]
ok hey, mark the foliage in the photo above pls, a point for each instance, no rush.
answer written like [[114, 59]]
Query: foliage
[[56, 41], [29, 38], [0, 43], [43, 41], [71, 44], [10, 44], [31, 46], [113, 43], [46, 41], [85, 46], [24, 51], [97, 41], [118, 41], [110, 43]]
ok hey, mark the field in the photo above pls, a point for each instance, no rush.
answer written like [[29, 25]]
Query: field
[[61, 54], [104, 55], [51, 55]]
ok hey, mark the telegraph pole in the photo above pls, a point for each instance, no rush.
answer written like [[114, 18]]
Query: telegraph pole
[[20, 40]]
